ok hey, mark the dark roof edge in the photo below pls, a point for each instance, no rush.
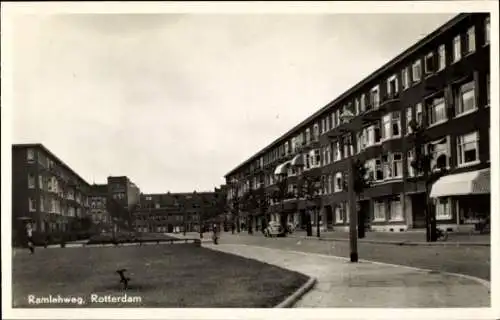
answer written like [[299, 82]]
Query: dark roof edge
[[41, 146], [450, 23]]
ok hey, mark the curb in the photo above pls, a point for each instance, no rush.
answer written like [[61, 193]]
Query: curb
[[402, 243], [299, 293]]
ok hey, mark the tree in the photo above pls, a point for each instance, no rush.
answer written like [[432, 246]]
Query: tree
[[422, 164], [309, 190], [362, 181]]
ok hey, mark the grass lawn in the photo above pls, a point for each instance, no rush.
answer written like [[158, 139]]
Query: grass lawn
[[163, 276]]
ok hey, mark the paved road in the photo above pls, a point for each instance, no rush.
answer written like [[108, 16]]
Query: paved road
[[473, 261]]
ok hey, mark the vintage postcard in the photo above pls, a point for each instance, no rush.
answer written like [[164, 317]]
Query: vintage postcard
[[199, 160]]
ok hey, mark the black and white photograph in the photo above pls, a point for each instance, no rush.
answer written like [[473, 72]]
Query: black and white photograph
[[250, 159]]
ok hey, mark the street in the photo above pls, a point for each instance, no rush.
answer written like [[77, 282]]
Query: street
[[472, 261]]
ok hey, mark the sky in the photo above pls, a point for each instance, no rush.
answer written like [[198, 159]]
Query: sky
[[176, 101]]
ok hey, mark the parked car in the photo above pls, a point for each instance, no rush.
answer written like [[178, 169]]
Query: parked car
[[274, 229]]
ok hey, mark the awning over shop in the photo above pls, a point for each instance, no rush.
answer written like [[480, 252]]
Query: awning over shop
[[298, 160], [282, 168], [466, 183]]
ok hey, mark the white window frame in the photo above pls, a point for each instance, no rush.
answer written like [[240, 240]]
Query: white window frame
[[437, 102], [316, 132], [357, 106], [441, 57], [409, 119], [428, 71], [328, 154], [396, 215], [31, 205], [405, 78], [327, 123], [394, 164], [419, 113], [308, 136], [417, 65], [339, 216], [457, 49], [410, 155], [443, 208], [446, 151], [362, 103], [379, 215], [330, 180], [31, 181], [385, 128], [338, 177], [375, 97], [459, 101], [471, 40], [30, 155], [337, 152], [460, 146], [396, 87]]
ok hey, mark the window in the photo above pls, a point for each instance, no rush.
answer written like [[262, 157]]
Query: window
[[330, 180], [443, 208], [396, 209], [386, 127], [437, 111], [397, 165], [40, 182], [327, 123], [357, 107], [468, 149], [339, 216], [31, 181], [360, 146], [417, 71], [466, 99], [362, 103], [441, 57], [405, 78], [429, 63], [410, 157], [440, 151], [348, 146], [375, 97], [30, 155], [379, 211], [334, 120], [379, 170], [409, 117], [32, 205], [339, 182], [487, 30], [308, 136], [392, 86], [345, 205], [42, 204], [328, 155], [336, 151], [419, 116], [457, 49], [316, 132], [471, 40], [373, 134]]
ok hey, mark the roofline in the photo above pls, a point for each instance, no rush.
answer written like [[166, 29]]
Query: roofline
[[50, 153], [405, 54]]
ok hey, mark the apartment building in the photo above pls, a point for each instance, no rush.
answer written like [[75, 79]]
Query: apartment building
[[172, 212], [45, 191], [441, 82], [98, 198]]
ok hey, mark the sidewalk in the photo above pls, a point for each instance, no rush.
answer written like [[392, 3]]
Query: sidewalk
[[402, 238], [368, 284]]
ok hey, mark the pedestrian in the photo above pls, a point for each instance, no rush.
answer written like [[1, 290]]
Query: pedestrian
[[29, 234], [215, 235]]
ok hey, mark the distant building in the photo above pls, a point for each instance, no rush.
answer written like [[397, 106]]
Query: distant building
[[101, 218], [172, 212], [46, 191]]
